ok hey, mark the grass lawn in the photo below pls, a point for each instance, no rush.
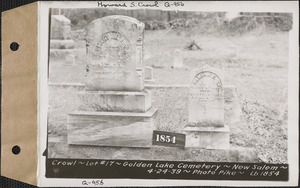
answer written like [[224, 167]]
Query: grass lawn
[[259, 71]]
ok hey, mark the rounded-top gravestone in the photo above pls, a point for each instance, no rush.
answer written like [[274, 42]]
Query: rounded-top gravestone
[[206, 98], [115, 51]]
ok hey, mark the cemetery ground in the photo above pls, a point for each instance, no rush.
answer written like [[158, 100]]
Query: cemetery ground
[[259, 72]]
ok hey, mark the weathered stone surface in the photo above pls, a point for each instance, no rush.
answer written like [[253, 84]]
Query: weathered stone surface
[[111, 128], [115, 107], [117, 101], [207, 137], [178, 59], [62, 44], [148, 73], [70, 59], [206, 97], [60, 27], [115, 51], [206, 128]]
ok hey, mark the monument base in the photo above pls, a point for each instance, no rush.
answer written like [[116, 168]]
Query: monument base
[[95, 81], [149, 81], [122, 129], [117, 101], [207, 137]]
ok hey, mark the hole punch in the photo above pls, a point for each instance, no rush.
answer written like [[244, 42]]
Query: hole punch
[[16, 150], [14, 46]]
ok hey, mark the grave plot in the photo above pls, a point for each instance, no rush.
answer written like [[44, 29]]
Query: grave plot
[[114, 117], [99, 92]]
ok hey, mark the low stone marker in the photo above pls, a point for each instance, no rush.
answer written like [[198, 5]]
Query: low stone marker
[[178, 59], [148, 74], [115, 109], [206, 128]]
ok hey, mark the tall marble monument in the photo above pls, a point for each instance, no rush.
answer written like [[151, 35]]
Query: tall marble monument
[[206, 128], [115, 108]]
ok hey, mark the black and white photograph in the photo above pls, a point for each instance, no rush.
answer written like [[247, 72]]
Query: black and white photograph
[[149, 93], [129, 86]]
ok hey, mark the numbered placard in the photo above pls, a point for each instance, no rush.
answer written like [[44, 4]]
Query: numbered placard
[[170, 139]]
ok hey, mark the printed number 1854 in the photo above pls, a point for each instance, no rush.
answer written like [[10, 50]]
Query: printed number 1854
[[170, 139], [165, 138]]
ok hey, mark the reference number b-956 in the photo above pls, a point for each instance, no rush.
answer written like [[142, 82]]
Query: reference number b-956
[[168, 139]]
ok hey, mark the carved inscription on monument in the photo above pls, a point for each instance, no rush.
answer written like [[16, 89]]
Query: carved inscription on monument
[[111, 54], [113, 45], [206, 98], [112, 51]]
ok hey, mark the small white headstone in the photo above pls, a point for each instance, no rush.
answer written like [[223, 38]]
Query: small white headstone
[[178, 59], [148, 73], [206, 97]]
